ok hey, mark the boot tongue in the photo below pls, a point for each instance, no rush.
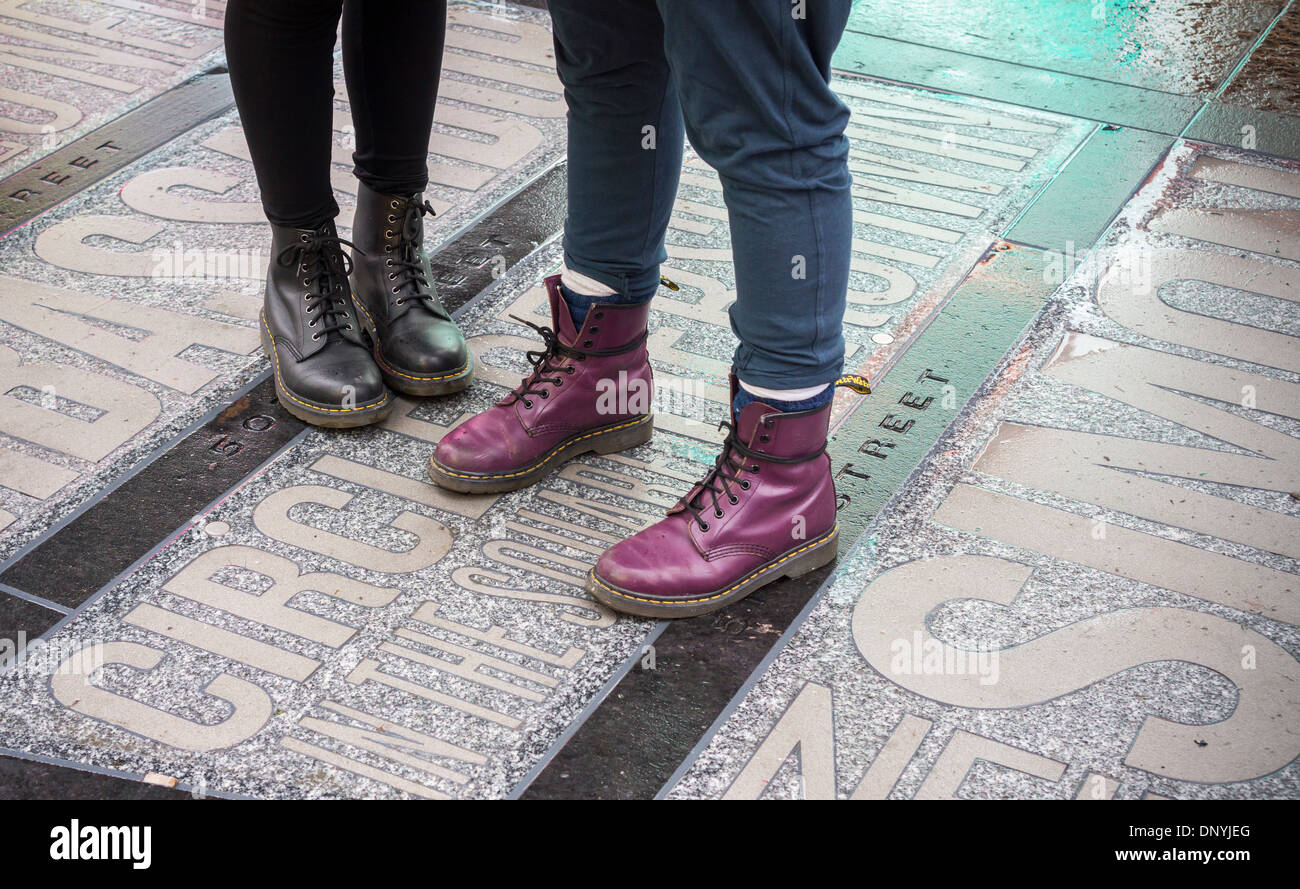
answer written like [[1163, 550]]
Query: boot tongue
[[749, 419], [412, 221], [746, 425], [565, 329], [333, 256]]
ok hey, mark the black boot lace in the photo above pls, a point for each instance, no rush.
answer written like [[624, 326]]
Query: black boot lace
[[325, 267], [409, 283], [545, 366], [735, 458]]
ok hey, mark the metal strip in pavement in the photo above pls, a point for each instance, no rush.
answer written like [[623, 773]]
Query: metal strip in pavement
[[61, 779], [592, 706], [160, 494], [62, 173]]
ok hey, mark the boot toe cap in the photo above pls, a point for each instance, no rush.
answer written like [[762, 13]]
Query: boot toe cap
[[659, 563], [485, 443], [355, 380], [427, 353]]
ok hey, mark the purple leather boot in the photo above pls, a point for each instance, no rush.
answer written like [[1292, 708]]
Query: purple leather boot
[[766, 510], [590, 390]]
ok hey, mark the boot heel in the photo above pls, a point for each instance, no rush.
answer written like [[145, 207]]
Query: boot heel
[[628, 437], [823, 554]]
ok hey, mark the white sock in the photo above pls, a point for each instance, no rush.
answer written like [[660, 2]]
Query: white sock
[[783, 394], [582, 285]]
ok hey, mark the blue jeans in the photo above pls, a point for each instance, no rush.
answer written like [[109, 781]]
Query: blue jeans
[[747, 82]]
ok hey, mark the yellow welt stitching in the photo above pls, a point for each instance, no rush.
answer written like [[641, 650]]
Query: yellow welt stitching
[[542, 460], [744, 580], [275, 356], [397, 373]]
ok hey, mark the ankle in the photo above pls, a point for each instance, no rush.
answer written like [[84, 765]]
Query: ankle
[[784, 400]]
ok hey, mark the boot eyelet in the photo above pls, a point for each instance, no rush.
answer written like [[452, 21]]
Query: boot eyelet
[[392, 275], [717, 513], [388, 248], [545, 393], [388, 262], [388, 234], [587, 344], [571, 370], [399, 302], [392, 205], [704, 526], [392, 218], [303, 237], [754, 468], [312, 322], [349, 327], [528, 404], [765, 438], [734, 500], [595, 329], [315, 336], [745, 485], [558, 382], [394, 290], [600, 315]]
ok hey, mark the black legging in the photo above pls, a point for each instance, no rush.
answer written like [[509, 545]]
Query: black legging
[[282, 70]]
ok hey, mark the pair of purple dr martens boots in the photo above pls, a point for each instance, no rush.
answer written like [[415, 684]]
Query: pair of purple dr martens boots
[[766, 509]]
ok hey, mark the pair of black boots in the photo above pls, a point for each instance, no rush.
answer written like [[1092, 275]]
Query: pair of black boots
[[342, 333]]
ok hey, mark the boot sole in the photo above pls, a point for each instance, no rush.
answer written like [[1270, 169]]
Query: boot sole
[[606, 440], [795, 563], [320, 415], [406, 382]]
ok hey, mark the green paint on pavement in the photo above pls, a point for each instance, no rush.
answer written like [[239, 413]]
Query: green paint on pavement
[[1185, 47], [1239, 127], [1079, 202], [876, 448], [1069, 94]]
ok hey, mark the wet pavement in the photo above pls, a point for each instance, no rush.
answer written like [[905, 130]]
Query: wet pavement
[[1067, 509]]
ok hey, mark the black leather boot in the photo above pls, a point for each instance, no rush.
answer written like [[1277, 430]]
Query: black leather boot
[[418, 348], [323, 371]]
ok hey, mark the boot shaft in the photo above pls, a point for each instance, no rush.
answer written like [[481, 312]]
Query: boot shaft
[[307, 283], [380, 223], [781, 487], [608, 326], [608, 380], [782, 434], [390, 275]]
